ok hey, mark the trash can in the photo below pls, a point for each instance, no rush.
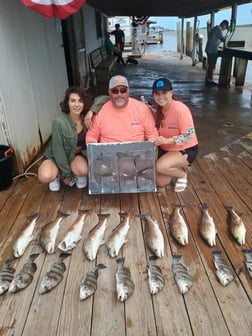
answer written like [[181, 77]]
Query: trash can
[[6, 154]]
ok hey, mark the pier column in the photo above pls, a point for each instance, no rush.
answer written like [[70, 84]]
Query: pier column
[[241, 71], [225, 70]]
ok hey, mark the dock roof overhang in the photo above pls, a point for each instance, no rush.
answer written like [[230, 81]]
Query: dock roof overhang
[[180, 8]]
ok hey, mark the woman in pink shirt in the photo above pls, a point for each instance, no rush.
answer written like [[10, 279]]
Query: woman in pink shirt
[[177, 141]]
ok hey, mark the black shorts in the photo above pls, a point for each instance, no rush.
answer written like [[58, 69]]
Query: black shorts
[[192, 153]]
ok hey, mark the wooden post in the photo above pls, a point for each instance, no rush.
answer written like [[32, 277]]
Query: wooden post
[[188, 39], [241, 71], [182, 39], [178, 37], [225, 70]]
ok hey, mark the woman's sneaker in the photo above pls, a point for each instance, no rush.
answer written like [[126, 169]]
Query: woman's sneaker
[[81, 181], [55, 185]]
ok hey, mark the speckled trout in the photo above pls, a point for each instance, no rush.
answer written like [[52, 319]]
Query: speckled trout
[[236, 225], [25, 236], [74, 234], [49, 233], [178, 225], [207, 227], [153, 235], [119, 235], [95, 237]]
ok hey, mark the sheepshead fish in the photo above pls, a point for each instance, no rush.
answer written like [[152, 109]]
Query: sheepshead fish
[[223, 271], [95, 237], [183, 279], [207, 227], [155, 279], [178, 226], [89, 284], [6, 275], [236, 225], [54, 276], [73, 235], [25, 276], [25, 236], [124, 285], [49, 233], [248, 260], [153, 235], [118, 236]]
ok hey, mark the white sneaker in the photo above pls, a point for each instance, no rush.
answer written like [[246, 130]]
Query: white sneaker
[[81, 181], [55, 185]]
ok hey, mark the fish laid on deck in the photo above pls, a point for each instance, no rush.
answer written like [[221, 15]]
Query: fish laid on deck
[[155, 278], [153, 235], [25, 276], [50, 231], [207, 227], [124, 284], [89, 284], [223, 271], [6, 275], [183, 279], [54, 276], [95, 237], [25, 236], [248, 260], [74, 234], [118, 236], [178, 225], [236, 225]]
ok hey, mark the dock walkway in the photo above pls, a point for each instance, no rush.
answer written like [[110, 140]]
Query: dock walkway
[[220, 178]]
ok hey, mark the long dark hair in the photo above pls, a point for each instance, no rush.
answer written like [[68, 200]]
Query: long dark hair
[[159, 114], [73, 89]]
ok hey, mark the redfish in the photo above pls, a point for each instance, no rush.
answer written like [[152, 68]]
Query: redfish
[[118, 236], [74, 234], [25, 236], [95, 237]]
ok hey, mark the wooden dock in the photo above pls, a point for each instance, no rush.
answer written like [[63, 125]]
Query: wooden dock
[[220, 178]]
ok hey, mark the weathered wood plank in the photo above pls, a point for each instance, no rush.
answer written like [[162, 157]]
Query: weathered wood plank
[[200, 303], [76, 315], [169, 302], [108, 314], [138, 309]]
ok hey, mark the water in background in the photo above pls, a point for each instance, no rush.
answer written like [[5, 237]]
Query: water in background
[[170, 44]]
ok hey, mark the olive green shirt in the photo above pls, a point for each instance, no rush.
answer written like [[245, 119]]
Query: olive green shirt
[[63, 144]]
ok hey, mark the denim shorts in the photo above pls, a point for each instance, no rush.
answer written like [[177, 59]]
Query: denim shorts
[[192, 153]]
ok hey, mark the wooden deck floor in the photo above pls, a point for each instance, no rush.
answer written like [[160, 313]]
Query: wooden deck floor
[[208, 308]]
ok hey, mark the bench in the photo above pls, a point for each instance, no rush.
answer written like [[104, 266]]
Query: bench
[[102, 63]]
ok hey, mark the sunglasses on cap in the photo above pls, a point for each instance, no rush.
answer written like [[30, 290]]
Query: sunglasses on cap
[[122, 90]]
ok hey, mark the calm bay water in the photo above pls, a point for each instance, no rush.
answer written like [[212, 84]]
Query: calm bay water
[[170, 44]]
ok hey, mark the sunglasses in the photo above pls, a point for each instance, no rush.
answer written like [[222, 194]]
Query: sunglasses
[[122, 90]]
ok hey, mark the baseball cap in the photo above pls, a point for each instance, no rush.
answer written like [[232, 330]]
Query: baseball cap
[[118, 80], [225, 22], [162, 84]]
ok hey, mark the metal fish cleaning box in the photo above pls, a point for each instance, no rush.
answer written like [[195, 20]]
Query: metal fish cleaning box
[[121, 167]]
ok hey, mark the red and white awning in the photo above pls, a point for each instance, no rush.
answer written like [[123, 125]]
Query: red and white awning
[[54, 8]]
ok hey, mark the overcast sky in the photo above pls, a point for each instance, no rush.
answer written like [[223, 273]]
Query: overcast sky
[[244, 16]]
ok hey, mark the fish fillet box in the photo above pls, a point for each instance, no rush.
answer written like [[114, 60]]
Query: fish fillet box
[[121, 167]]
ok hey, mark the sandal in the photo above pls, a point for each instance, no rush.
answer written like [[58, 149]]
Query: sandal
[[180, 184]]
